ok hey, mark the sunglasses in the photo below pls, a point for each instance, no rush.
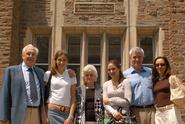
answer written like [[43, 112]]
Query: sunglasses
[[160, 64]]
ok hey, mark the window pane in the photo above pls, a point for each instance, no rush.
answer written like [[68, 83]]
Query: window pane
[[147, 44], [98, 79], [74, 55], [115, 48], [94, 50], [43, 46], [43, 66], [74, 49]]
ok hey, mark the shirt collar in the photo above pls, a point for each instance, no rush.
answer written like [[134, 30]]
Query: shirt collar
[[25, 67], [132, 70]]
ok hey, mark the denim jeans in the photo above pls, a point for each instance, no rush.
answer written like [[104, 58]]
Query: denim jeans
[[56, 117]]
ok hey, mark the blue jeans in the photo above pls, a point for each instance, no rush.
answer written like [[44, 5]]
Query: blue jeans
[[56, 117]]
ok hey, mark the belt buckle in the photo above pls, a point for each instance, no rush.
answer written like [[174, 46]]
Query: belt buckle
[[62, 108]]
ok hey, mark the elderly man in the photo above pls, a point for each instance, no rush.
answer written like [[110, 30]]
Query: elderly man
[[142, 87], [22, 96]]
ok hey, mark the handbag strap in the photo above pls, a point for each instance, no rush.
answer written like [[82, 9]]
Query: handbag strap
[[127, 101], [112, 119], [49, 80]]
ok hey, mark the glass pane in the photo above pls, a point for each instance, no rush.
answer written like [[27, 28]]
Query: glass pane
[[98, 70], [94, 49], [42, 43], [147, 44], [44, 67], [115, 48], [74, 49]]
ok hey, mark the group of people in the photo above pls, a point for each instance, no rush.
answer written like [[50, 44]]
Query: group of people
[[146, 91]]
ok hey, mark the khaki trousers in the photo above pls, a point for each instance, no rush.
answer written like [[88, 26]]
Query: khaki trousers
[[144, 115], [32, 116]]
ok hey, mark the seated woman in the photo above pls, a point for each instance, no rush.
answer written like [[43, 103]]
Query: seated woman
[[89, 97], [114, 92]]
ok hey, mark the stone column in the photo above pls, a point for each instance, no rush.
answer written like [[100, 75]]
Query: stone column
[[103, 59], [131, 31], [84, 56], [57, 23]]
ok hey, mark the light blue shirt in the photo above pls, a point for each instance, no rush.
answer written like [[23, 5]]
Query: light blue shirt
[[26, 79], [141, 85]]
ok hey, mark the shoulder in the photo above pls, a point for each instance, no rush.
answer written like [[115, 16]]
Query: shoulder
[[47, 73], [70, 76], [107, 83], [147, 69], [127, 71], [71, 73], [12, 68], [39, 70], [126, 81]]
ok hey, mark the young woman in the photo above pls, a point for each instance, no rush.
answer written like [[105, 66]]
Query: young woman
[[114, 92], [89, 96], [166, 112], [62, 98]]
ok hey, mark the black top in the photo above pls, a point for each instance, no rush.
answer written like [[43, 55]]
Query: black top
[[89, 105]]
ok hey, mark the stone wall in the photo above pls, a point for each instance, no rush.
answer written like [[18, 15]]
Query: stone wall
[[177, 37], [34, 14], [6, 8], [117, 18]]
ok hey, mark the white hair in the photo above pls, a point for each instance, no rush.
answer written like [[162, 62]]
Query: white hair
[[90, 69], [30, 45], [136, 50]]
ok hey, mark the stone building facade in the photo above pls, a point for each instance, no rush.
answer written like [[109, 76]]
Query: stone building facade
[[93, 31]]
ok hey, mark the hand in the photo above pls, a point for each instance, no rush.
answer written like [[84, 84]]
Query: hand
[[118, 116], [71, 73], [106, 101], [68, 121], [47, 121]]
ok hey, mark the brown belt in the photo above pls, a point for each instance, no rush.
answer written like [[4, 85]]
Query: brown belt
[[32, 106], [145, 106], [59, 108]]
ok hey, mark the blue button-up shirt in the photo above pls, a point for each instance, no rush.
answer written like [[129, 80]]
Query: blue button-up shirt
[[142, 86]]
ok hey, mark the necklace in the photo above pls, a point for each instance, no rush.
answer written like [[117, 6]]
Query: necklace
[[115, 84], [162, 78]]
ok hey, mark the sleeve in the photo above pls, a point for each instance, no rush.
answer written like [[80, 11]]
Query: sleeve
[[118, 101], [46, 76], [5, 98], [108, 108], [127, 90]]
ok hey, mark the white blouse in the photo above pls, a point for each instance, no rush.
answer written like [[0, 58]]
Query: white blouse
[[116, 96], [60, 93]]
